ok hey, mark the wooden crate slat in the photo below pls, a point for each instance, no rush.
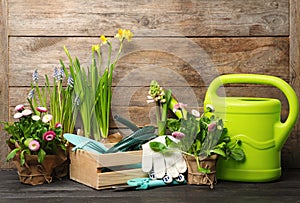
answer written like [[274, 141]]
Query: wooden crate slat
[[85, 168]]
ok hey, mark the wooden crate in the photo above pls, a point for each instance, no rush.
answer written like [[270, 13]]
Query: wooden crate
[[88, 168]]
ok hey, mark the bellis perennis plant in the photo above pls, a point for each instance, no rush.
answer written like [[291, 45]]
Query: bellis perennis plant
[[32, 134]]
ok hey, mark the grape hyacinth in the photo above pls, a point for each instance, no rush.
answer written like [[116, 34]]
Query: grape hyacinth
[[59, 73], [70, 81], [30, 94], [35, 76]]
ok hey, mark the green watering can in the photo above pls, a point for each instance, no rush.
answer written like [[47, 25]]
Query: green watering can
[[256, 122]]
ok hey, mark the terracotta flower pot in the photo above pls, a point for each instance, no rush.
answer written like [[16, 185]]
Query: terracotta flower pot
[[195, 177], [35, 173]]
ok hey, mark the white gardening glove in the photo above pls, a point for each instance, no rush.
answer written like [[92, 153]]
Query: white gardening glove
[[171, 163]]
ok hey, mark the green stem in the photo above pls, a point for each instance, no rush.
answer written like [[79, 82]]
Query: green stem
[[100, 60], [119, 52], [197, 161], [109, 53], [59, 86]]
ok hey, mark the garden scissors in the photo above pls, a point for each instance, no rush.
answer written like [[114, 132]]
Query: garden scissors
[[145, 183]]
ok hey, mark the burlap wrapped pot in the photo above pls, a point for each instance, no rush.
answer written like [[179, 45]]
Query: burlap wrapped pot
[[195, 177], [35, 173]]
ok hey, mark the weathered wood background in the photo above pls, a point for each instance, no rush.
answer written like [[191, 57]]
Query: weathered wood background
[[182, 44]]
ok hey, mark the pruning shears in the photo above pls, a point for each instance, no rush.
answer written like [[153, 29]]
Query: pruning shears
[[145, 183]]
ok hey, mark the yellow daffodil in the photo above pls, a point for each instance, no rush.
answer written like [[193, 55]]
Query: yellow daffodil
[[120, 34], [103, 39], [128, 35], [95, 47], [124, 34]]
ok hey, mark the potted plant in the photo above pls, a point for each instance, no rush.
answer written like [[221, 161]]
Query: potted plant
[[202, 138], [36, 146]]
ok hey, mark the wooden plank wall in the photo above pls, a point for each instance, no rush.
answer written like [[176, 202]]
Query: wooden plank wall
[[4, 89], [182, 44]]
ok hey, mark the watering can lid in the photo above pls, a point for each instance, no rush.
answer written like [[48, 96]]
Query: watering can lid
[[246, 105]]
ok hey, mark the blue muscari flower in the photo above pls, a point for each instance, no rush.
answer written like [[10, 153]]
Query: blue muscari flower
[[70, 81], [31, 94], [61, 73], [55, 74], [35, 76]]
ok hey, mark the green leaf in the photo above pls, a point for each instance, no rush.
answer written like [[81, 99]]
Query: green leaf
[[157, 146], [226, 138], [237, 154], [198, 145], [41, 156], [203, 170], [218, 151], [173, 124], [170, 143], [161, 127], [12, 154], [63, 147], [22, 158]]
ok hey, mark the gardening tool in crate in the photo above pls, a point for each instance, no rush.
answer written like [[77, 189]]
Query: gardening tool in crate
[[256, 122], [100, 166]]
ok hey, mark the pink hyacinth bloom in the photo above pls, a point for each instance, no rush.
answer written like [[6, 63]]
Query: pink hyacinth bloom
[[27, 112], [18, 115], [212, 127], [47, 118], [178, 135], [49, 136], [19, 107], [34, 145], [58, 125], [41, 109]]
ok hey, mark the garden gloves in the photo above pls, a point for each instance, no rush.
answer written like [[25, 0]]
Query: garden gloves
[[163, 165]]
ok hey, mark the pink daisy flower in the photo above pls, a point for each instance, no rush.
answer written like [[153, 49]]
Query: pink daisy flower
[[58, 125], [19, 107], [41, 109], [196, 113], [27, 112], [34, 145], [18, 115], [49, 136], [35, 117], [47, 118]]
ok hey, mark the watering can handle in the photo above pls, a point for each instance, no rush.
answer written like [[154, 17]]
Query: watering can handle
[[282, 129]]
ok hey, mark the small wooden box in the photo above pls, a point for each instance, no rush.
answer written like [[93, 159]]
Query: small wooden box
[[89, 169]]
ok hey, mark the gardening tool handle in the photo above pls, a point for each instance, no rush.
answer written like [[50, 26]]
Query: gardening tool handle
[[282, 129]]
